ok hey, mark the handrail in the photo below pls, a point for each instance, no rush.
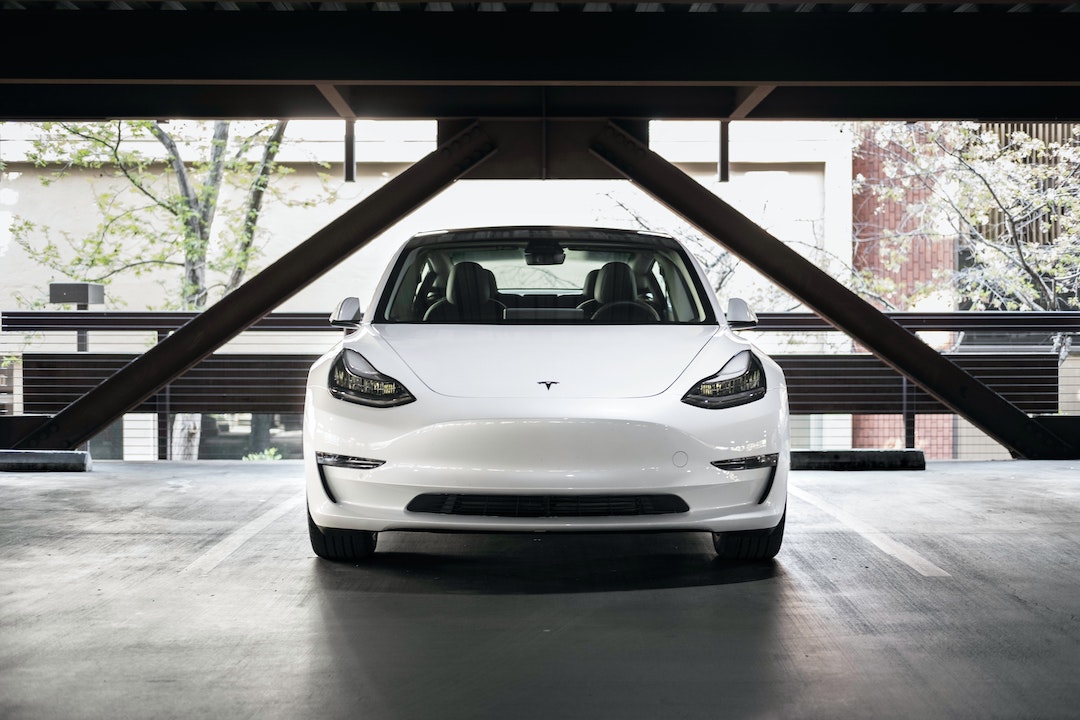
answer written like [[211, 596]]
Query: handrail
[[118, 320], [1065, 321]]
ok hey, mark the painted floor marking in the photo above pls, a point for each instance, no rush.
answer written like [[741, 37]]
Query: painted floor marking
[[232, 542], [887, 545]]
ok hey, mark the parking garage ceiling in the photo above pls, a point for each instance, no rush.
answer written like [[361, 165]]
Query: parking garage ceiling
[[1000, 61]]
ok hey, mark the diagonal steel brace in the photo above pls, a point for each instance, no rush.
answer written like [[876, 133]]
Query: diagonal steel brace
[[297, 269], [843, 309]]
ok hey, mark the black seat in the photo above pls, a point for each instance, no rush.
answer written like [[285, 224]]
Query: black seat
[[426, 295], [593, 303], [587, 294], [506, 299], [616, 293], [468, 298]]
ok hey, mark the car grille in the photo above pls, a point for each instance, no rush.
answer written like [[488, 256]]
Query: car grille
[[548, 506]]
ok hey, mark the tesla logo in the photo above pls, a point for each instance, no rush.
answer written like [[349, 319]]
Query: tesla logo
[[548, 383]]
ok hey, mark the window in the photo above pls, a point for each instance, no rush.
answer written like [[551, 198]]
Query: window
[[543, 281]]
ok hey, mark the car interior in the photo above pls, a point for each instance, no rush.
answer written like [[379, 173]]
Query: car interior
[[551, 285]]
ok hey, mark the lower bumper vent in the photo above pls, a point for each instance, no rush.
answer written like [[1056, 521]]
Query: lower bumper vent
[[548, 506]]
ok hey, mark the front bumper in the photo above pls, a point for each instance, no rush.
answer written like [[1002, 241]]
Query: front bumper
[[604, 448]]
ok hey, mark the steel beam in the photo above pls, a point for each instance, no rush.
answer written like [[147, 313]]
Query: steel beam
[[846, 311], [297, 269], [500, 48]]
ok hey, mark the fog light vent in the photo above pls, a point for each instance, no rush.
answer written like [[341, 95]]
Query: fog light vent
[[347, 461], [747, 463]]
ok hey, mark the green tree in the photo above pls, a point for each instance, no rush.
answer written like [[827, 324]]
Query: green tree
[[161, 215], [180, 197], [1008, 200]]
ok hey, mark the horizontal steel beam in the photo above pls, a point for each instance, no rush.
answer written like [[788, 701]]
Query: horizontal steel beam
[[119, 100], [985, 102], [547, 48], [466, 64]]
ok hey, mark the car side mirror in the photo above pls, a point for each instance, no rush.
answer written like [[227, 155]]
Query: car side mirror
[[348, 314], [739, 314]]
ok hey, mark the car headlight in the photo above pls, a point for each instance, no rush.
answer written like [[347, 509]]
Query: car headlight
[[352, 378], [740, 381]]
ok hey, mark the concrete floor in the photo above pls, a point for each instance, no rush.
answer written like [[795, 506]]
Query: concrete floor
[[189, 590]]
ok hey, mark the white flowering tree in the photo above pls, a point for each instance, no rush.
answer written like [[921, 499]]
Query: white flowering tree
[[1009, 201]]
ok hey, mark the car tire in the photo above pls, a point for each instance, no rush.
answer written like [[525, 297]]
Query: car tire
[[341, 545], [750, 545]]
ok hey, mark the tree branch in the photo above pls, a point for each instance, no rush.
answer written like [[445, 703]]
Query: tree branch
[[253, 206], [1044, 291], [117, 158], [187, 191]]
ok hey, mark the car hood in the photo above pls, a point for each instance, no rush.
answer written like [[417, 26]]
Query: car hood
[[555, 362]]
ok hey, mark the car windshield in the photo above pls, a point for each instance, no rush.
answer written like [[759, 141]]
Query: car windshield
[[544, 281]]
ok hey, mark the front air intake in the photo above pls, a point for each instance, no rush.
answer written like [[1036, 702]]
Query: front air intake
[[547, 506]]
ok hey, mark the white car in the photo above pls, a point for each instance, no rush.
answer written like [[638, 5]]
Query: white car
[[544, 379]]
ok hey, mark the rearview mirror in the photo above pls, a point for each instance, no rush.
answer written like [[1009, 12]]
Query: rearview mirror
[[544, 253], [739, 314], [348, 314]]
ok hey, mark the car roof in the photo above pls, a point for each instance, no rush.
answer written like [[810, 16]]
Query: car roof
[[561, 233]]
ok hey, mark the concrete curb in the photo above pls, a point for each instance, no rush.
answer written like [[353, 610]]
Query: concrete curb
[[45, 461], [858, 460]]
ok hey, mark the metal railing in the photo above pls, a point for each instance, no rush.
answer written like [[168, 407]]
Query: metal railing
[[840, 396]]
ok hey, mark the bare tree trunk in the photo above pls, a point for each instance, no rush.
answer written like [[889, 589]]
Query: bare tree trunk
[[187, 427], [186, 433], [260, 432]]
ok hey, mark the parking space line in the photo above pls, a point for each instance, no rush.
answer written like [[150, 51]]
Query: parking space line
[[232, 542], [883, 542]]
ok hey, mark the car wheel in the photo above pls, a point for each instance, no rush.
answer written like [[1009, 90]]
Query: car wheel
[[336, 544], [750, 545]]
